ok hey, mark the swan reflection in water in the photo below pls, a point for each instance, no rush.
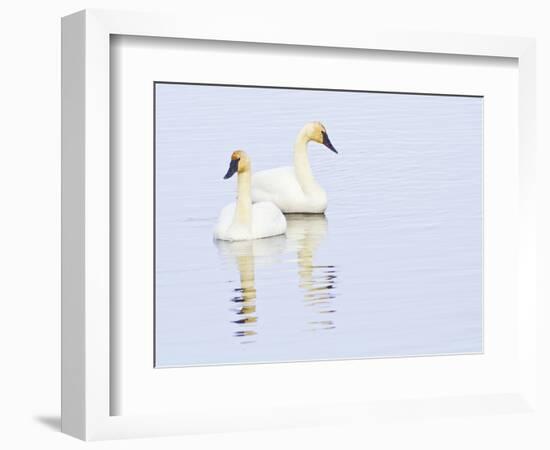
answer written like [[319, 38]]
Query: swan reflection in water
[[246, 254], [305, 232]]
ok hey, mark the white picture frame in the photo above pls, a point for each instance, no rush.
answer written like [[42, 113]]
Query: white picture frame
[[86, 217]]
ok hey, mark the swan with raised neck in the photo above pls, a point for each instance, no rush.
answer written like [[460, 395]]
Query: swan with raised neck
[[294, 189], [243, 220]]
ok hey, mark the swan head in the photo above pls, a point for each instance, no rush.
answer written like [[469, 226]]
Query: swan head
[[316, 131], [239, 163]]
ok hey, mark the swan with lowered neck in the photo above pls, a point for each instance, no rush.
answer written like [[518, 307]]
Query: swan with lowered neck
[[242, 220], [294, 189]]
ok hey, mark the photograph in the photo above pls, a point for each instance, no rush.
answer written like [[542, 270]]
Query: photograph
[[300, 224]]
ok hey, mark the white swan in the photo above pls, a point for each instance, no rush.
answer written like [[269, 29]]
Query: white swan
[[242, 220], [294, 189]]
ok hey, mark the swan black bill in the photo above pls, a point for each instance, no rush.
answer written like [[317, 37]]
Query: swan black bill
[[233, 166], [327, 143]]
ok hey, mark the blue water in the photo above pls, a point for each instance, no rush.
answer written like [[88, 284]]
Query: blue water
[[394, 268]]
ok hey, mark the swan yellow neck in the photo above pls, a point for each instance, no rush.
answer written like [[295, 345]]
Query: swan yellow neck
[[243, 211], [301, 163]]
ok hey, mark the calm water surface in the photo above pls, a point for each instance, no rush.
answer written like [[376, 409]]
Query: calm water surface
[[392, 269]]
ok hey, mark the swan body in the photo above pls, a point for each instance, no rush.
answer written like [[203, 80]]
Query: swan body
[[281, 186], [242, 220], [294, 189], [267, 220]]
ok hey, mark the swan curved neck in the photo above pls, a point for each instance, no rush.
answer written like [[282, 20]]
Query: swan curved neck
[[301, 163], [243, 211]]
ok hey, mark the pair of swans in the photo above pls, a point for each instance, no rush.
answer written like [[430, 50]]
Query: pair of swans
[[264, 197]]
